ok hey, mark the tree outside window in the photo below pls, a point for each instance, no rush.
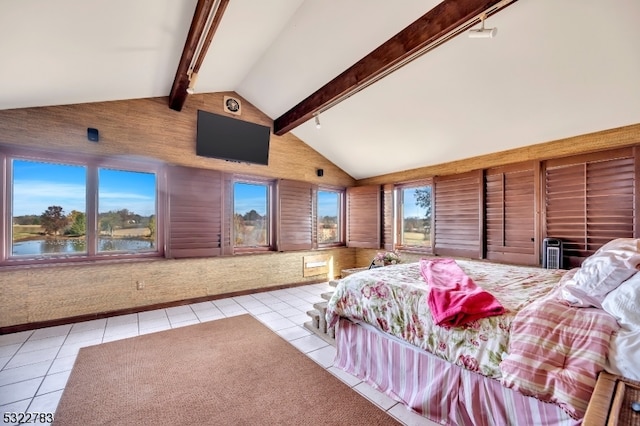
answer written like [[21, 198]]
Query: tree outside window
[[48, 204], [328, 217], [49, 210], [416, 212], [126, 208], [251, 214]]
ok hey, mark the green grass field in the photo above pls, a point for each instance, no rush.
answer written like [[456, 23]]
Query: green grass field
[[31, 232], [26, 232], [415, 239]]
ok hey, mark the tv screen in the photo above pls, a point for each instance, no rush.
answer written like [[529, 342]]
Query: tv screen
[[231, 139]]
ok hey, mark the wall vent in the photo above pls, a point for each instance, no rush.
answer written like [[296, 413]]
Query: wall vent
[[232, 105]]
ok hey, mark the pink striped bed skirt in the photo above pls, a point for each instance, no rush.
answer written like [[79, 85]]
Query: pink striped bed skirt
[[434, 388]]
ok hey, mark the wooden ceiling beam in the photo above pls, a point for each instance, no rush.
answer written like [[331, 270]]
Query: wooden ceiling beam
[[440, 21], [204, 8]]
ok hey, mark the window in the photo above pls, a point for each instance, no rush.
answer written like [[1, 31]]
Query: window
[[251, 217], [71, 209], [329, 213], [126, 211], [415, 217], [49, 209]]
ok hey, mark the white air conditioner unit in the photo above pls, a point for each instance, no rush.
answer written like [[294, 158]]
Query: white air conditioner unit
[[552, 253]]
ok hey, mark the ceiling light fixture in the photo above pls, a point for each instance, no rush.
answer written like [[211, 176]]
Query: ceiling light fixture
[[483, 32], [193, 77], [318, 122]]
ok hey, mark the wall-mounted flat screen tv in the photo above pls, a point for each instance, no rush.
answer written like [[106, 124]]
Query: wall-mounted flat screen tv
[[227, 138]]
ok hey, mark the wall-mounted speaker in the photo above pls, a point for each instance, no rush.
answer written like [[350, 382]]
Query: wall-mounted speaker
[[320, 172], [93, 135]]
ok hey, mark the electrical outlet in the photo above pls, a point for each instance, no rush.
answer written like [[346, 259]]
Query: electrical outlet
[[139, 284]]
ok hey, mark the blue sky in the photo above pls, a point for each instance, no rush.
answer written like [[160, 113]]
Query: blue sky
[[328, 203], [127, 190], [410, 207], [36, 186], [249, 197]]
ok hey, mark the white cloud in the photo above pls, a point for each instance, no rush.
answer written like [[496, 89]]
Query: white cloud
[[35, 196], [124, 196], [143, 207], [141, 204]]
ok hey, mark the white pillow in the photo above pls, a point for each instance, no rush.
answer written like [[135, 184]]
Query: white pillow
[[623, 303], [598, 275], [624, 250], [602, 272], [624, 354]]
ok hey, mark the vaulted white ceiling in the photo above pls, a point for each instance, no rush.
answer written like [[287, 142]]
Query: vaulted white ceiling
[[557, 68]]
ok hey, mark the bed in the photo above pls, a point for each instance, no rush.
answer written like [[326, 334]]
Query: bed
[[536, 362]]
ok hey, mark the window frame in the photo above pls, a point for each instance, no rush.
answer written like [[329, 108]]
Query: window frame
[[92, 164], [341, 216], [271, 203], [398, 196]]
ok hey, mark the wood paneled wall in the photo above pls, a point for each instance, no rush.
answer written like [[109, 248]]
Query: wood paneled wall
[[147, 128]]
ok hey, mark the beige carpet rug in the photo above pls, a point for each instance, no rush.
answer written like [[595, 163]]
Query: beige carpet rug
[[232, 371]]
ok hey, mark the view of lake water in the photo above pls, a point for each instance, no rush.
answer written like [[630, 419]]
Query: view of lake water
[[78, 245]]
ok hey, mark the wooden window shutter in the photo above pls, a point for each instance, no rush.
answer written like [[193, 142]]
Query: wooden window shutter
[[458, 215], [4, 232], [387, 217], [226, 234], [565, 209], [194, 212], [363, 217], [295, 215], [510, 220], [314, 216], [590, 200]]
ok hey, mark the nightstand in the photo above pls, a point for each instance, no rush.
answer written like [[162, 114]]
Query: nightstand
[[611, 400]]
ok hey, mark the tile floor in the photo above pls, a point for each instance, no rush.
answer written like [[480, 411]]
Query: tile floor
[[35, 365]]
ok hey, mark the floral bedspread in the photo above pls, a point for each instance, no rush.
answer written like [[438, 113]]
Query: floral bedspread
[[394, 299]]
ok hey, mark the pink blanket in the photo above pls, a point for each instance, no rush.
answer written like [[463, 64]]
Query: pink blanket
[[556, 352], [454, 299]]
